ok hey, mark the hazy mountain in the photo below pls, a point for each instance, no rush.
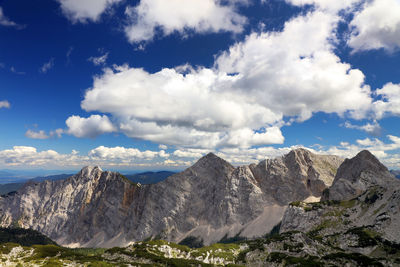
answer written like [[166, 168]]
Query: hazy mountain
[[396, 173], [149, 177], [143, 178], [210, 200], [10, 187]]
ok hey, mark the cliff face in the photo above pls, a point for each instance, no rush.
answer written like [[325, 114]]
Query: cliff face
[[210, 200], [364, 195]]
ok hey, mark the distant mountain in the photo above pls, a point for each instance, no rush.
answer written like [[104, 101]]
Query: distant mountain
[[143, 178], [5, 174], [396, 173], [10, 187], [149, 177], [210, 201]]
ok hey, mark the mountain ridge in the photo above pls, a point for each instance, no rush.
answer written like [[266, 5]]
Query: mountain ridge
[[211, 200]]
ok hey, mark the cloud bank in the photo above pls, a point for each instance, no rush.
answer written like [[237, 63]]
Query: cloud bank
[[150, 17]]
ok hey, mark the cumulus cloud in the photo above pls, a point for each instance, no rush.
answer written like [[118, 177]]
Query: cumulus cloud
[[40, 134], [389, 102], [243, 99], [387, 151], [105, 156], [84, 11], [171, 108], [296, 72], [166, 17], [326, 5], [100, 60], [29, 156], [375, 26], [370, 128], [47, 66], [89, 127], [5, 104], [36, 134], [124, 154]]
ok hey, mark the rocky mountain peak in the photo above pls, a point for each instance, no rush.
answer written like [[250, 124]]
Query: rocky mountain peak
[[364, 161], [211, 161], [356, 175], [299, 156], [90, 172]]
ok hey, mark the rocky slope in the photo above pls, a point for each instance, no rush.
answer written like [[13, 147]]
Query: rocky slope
[[210, 200], [360, 212]]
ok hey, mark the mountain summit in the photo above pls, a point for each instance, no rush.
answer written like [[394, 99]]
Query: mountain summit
[[356, 175], [210, 200]]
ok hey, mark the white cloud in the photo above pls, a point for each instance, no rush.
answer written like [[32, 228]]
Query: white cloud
[[388, 153], [171, 108], [5, 104], [243, 99], [106, 156], [42, 134], [389, 104], [4, 21], [164, 147], [56, 133], [166, 17], [370, 128], [83, 11], [122, 154], [120, 157], [97, 61], [327, 5], [29, 156], [47, 66], [296, 72], [89, 127], [36, 134], [376, 26]]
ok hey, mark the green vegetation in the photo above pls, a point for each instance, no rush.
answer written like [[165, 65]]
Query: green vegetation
[[24, 237], [290, 260], [192, 242], [360, 259]]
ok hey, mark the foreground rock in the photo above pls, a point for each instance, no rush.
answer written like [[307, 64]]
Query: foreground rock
[[210, 201]]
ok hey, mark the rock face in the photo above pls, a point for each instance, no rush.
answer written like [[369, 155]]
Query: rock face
[[210, 200], [364, 195], [356, 175]]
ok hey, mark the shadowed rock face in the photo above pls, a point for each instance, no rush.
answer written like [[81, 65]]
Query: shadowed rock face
[[356, 175], [211, 200], [364, 194]]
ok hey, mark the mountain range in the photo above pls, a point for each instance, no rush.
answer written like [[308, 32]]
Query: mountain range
[[300, 209], [143, 178], [209, 201]]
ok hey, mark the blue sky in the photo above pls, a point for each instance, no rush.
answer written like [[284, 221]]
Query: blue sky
[[152, 84]]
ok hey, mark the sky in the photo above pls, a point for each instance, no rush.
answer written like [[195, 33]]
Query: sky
[[155, 84]]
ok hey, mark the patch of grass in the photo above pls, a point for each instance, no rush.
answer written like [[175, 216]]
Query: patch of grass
[[297, 261], [192, 242], [24, 237], [347, 204], [360, 259], [366, 237]]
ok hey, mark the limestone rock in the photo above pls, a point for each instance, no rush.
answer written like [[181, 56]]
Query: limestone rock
[[210, 200]]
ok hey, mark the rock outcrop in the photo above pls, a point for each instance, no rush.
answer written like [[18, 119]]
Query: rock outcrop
[[356, 175], [364, 195], [211, 200]]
